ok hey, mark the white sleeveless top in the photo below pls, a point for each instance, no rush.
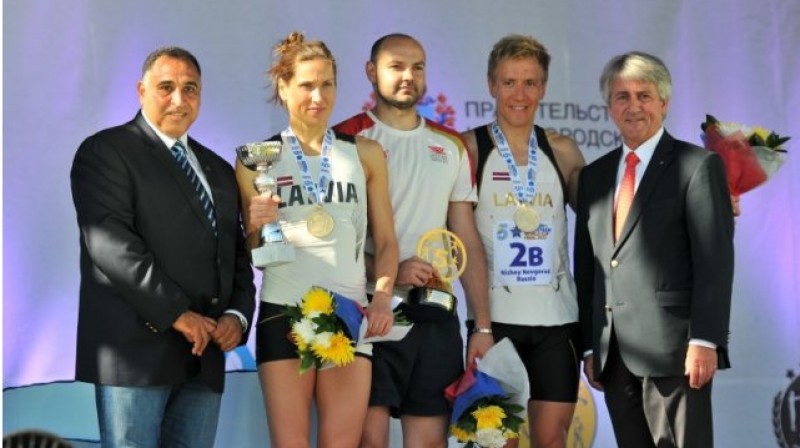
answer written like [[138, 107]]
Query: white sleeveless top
[[529, 277], [335, 262]]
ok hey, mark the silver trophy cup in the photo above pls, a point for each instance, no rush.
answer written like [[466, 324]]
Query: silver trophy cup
[[274, 249]]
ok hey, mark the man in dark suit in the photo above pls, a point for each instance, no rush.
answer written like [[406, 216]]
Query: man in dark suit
[[653, 266], [166, 285]]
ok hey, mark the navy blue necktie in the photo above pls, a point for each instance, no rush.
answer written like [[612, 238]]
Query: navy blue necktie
[[179, 151]]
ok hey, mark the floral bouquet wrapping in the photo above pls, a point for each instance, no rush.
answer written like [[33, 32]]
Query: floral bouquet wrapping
[[751, 154], [489, 399], [327, 327]]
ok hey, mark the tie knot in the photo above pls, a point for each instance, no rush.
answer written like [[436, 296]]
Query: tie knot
[[178, 148], [630, 159]]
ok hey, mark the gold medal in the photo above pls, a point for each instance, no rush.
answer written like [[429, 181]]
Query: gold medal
[[526, 218], [320, 223]]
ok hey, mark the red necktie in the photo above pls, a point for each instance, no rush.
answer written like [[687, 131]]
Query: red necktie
[[625, 196]]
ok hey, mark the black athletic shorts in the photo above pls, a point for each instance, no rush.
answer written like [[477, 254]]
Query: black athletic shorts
[[409, 376], [549, 356]]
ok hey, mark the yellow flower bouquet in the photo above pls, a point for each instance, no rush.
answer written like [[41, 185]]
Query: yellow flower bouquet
[[325, 329], [489, 399], [490, 422]]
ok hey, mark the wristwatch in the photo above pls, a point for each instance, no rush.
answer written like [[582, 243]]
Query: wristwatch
[[482, 330]]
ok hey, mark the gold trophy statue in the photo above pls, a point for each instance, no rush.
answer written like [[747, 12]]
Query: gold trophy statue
[[274, 250], [446, 253]]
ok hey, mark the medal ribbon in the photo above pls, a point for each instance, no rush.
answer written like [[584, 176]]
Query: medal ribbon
[[523, 193], [316, 192]]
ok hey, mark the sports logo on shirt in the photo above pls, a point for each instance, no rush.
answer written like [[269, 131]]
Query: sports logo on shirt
[[436, 149], [438, 153]]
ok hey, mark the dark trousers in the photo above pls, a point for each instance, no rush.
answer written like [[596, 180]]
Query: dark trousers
[[649, 412]]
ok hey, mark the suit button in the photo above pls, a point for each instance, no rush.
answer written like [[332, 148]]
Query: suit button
[[214, 301], [614, 263], [608, 308]]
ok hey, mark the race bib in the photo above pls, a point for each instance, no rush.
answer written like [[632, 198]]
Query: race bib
[[522, 258]]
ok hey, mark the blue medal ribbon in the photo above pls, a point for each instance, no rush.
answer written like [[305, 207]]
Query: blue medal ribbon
[[523, 193], [319, 191]]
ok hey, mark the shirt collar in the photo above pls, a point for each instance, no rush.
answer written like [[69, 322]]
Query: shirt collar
[[645, 151], [169, 141]]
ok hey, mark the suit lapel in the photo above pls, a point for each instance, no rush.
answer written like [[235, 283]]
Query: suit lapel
[[662, 157], [157, 148]]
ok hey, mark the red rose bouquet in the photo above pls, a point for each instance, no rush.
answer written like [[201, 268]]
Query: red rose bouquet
[[751, 154]]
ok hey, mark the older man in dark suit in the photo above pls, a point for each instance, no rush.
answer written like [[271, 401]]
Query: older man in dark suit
[[654, 267], [166, 285]]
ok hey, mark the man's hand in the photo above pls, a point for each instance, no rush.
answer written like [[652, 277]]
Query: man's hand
[[263, 210], [228, 333], [379, 315], [196, 328], [478, 345], [588, 370], [415, 272], [701, 364]]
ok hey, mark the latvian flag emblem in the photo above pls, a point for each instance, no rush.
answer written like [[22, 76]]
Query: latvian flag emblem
[[501, 175], [284, 181]]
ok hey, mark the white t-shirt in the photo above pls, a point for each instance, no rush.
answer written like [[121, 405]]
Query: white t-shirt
[[429, 167]]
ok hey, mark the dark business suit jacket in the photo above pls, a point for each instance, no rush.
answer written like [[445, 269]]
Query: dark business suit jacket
[[669, 277], [148, 254]]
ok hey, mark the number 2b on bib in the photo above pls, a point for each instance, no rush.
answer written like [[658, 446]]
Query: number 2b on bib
[[520, 258]]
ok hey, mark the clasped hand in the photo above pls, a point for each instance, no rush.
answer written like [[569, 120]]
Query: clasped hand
[[199, 330]]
